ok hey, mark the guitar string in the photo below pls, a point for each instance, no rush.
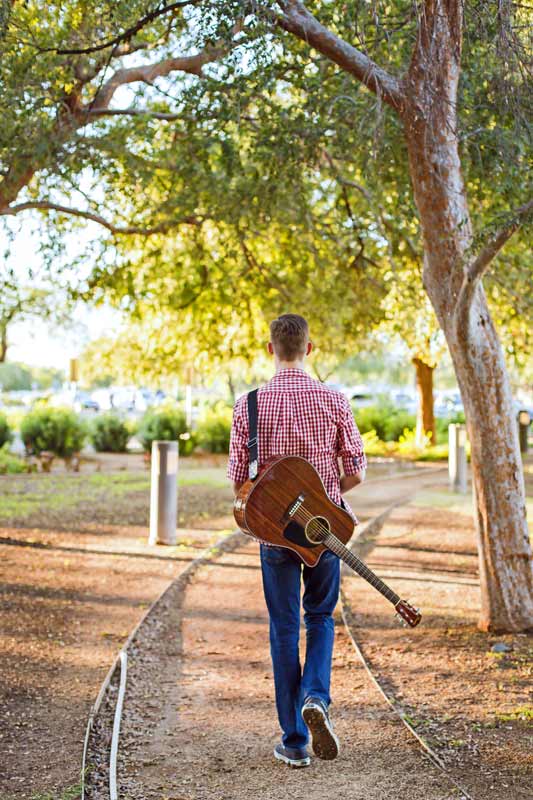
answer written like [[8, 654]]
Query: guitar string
[[360, 566]]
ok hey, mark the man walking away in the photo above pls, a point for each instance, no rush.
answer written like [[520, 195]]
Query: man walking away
[[298, 415]]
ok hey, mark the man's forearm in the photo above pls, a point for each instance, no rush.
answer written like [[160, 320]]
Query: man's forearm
[[350, 481]]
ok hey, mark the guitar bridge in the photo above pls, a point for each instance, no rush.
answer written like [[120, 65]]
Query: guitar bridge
[[293, 508]]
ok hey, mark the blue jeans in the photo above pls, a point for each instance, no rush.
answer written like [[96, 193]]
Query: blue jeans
[[282, 572]]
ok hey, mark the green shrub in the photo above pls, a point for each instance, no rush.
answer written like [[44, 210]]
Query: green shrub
[[408, 446], [441, 424], [6, 436], [214, 427], [11, 464], [386, 420], [374, 446], [109, 434], [396, 423], [58, 430], [168, 424]]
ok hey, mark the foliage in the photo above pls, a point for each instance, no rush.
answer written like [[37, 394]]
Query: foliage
[[16, 377], [6, 435], [385, 419], [109, 434], [214, 427], [166, 423], [374, 446], [11, 464], [409, 444], [58, 430], [406, 447], [442, 424]]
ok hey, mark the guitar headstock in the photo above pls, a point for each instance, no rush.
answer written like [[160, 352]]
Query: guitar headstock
[[407, 614]]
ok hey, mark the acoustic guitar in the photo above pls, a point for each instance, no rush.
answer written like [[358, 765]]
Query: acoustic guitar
[[287, 505]]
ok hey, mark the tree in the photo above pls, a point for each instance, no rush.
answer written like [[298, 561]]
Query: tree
[[20, 304], [426, 100], [416, 102], [213, 313]]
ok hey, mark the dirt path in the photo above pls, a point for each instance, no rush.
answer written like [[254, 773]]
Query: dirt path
[[68, 602], [199, 720]]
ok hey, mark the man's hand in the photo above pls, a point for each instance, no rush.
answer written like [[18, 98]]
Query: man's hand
[[236, 486], [349, 481]]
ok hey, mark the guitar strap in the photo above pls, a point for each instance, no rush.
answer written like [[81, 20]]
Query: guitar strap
[[253, 450]]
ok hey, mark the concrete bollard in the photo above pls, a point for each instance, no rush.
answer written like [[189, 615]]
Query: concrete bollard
[[524, 421], [457, 457], [164, 493]]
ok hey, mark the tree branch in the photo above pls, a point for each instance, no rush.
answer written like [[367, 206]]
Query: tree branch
[[132, 112], [147, 73], [127, 34], [296, 19], [380, 212], [162, 227], [477, 268]]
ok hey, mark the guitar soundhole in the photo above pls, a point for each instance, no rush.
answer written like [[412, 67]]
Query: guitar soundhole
[[317, 529]]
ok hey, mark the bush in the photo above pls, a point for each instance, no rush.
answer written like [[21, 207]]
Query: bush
[[168, 424], [441, 424], [374, 446], [214, 428], [408, 446], [58, 430], [386, 420], [6, 435], [109, 434], [10, 464]]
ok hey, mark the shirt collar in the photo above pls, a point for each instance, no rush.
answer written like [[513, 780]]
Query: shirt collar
[[290, 373]]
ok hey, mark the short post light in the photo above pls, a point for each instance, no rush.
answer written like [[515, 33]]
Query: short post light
[[164, 493], [524, 421], [457, 457]]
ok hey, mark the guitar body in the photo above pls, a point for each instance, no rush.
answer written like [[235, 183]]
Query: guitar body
[[283, 500], [287, 505]]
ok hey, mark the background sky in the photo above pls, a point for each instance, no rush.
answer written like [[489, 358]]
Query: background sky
[[35, 342]]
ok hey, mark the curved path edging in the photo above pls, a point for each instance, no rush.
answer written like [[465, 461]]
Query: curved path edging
[[224, 544], [369, 532]]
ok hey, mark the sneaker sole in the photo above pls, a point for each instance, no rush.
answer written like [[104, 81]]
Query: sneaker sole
[[301, 762], [325, 743]]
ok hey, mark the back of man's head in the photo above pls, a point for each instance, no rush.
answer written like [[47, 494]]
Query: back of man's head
[[289, 334]]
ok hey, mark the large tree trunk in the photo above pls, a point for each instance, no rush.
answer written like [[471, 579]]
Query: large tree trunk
[[505, 559], [425, 417]]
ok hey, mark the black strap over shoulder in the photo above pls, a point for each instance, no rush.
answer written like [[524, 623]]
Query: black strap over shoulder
[[253, 450]]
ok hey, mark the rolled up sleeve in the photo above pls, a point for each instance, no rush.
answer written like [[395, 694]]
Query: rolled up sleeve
[[238, 447], [349, 442]]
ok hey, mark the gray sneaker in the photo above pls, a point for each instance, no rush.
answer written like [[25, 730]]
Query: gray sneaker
[[325, 742], [293, 756]]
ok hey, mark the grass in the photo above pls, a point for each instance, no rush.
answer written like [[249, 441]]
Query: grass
[[22, 496], [68, 793], [522, 713]]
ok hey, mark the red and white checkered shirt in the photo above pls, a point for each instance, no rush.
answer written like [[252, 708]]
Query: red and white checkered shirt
[[299, 416]]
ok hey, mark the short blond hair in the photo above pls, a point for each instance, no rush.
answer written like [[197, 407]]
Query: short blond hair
[[289, 334]]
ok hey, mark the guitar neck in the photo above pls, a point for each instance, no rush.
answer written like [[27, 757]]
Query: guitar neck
[[337, 547]]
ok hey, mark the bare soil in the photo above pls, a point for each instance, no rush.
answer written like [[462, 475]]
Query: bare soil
[[473, 705], [76, 577]]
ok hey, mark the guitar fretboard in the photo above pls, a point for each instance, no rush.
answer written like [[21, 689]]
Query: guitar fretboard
[[337, 547]]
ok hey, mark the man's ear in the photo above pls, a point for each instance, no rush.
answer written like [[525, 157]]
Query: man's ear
[[309, 348], [270, 348]]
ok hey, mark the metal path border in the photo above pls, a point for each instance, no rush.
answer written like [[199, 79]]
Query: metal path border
[[225, 542]]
